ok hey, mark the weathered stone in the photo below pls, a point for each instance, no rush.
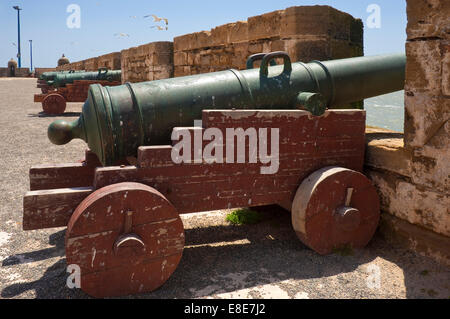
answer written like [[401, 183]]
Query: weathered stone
[[424, 117], [238, 32], [91, 64], [255, 47], [306, 33], [178, 71], [265, 26], [415, 204], [111, 61], [424, 67], [180, 58], [428, 19], [430, 164], [445, 48], [423, 241], [385, 151], [221, 35], [163, 58], [357, 32], [277, 45], [317, 20], [340, 49], [152, 61], [307, 50], [183, 42]]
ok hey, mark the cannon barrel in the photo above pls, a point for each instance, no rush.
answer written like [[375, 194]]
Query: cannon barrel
[[117, 120], [61, 79], [50, 76]]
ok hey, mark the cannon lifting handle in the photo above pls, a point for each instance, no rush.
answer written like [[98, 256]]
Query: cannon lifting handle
[[255, 57], [264, 69]]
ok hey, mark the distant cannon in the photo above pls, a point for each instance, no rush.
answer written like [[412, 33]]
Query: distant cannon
[[50, 76], [44, 78], [72, 86], [103, 74]]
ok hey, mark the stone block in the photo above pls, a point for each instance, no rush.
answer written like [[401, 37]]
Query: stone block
[[430, 165], [163, 58], [220, 35], [424, 67], [238, 32], [265, 26], [183, 42], [425, 115], [415, 204], [341, 49], [428, 19], [180, 58], [307, 50], [385, 151], [178, 71], [445, 50]]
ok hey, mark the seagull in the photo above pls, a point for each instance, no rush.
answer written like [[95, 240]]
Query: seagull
[[159, 27], [121, 35], [157, 19]]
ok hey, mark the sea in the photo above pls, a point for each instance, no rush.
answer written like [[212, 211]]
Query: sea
[[386, 111]]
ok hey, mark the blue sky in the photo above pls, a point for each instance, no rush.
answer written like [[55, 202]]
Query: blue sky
[[102, 22]]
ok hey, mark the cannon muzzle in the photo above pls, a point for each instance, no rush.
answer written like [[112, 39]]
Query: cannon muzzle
[[117, 120]]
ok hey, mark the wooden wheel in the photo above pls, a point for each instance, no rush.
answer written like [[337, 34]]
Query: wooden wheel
[[54, 103], [334, 208], [126, 238]]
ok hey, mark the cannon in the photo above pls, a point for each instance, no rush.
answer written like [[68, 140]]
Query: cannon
[[103, 74], [45, 77], [50, 76], [122, 203], [72, 86], [150, 110]]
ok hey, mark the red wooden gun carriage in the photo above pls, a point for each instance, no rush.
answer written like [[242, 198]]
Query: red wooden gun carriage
[[123, 223]]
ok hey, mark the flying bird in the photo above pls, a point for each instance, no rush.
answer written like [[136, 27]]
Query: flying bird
[[157, 19], [159, 27], [121, 35]]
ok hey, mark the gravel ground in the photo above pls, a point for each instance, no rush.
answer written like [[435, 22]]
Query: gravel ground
[[220, 260]]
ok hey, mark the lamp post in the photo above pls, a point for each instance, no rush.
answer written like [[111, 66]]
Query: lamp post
[[31, 55], [19, 57]]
